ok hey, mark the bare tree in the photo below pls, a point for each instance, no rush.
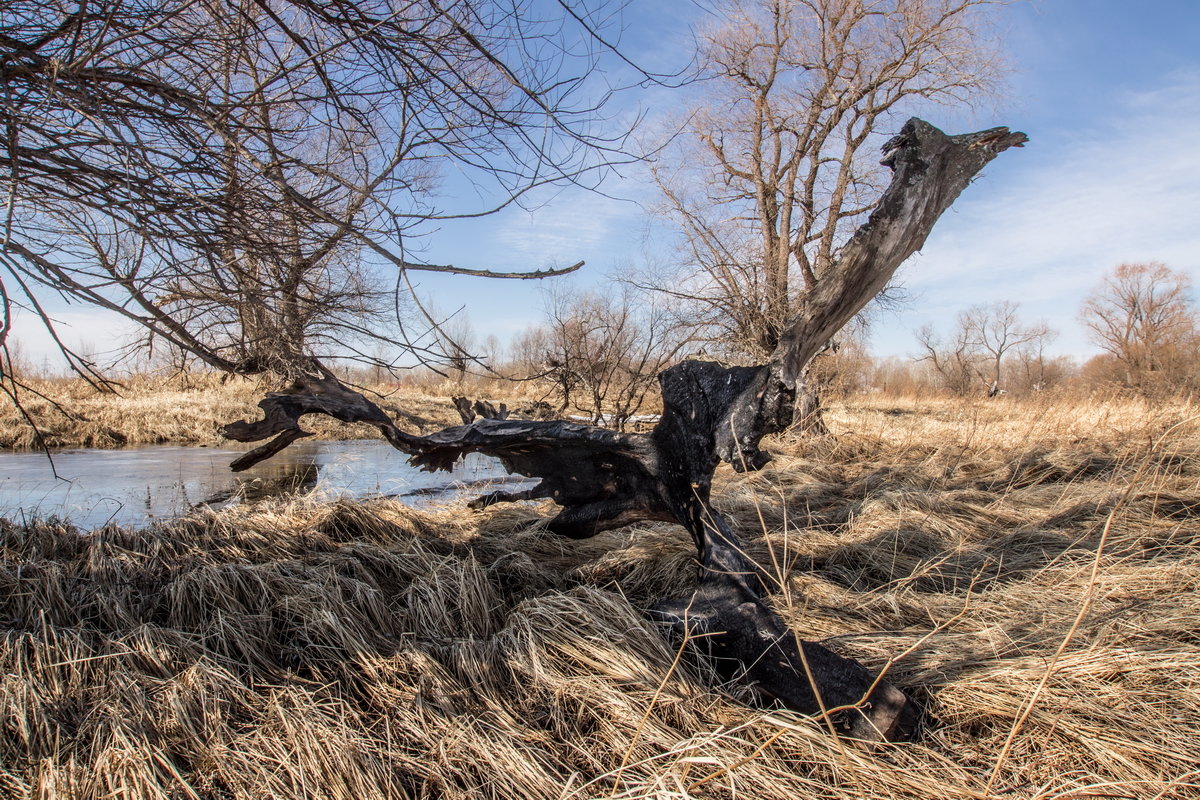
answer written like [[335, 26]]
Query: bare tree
[[995, 330], [223, 172], [532, 362], [1037, 371], [773, 169], [952, 360], [1142, 316], [602, 351], [454, 343], [985, 339]]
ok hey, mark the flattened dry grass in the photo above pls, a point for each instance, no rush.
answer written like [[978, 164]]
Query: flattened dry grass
[[1028, 572]]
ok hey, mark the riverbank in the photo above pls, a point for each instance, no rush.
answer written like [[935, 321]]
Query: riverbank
[[70, 413], [1028, 573]]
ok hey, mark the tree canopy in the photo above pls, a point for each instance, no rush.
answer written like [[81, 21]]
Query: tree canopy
[[218, 171]]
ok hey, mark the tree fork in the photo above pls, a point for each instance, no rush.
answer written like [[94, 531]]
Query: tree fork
[[604, 480]]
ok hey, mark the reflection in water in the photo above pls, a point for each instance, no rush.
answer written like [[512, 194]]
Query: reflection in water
[[282, 479], [136, 485]]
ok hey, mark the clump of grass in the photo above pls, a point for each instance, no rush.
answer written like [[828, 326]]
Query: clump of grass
[[1029, 574]]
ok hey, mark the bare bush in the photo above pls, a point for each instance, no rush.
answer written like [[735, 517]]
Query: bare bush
[[601, 352]]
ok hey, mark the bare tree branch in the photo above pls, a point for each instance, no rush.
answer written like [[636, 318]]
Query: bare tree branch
[[237, 176]]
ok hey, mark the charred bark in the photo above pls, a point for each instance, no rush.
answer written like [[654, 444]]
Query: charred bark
[[483, 409], [316, 391], [602, 479]]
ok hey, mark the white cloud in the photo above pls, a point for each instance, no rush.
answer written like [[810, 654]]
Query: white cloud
[[573, 222]]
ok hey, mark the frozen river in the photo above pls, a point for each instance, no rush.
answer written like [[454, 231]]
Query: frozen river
[[136, 485]]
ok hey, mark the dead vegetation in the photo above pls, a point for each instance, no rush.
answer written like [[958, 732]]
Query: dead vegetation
[[192, 410], [1031, 568]]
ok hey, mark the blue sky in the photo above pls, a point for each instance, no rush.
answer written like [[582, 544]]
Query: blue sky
[[1108, 91]]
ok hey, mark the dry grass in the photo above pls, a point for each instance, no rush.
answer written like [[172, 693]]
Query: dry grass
[[155, 411], [1035, 565]]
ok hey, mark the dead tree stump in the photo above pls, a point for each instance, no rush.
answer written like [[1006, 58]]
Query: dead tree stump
[[602, 479]]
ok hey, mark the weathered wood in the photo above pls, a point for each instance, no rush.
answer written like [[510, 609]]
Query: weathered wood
[[929, 171], [487, 410], [318, 392], [602, 479], [464, 408], [727, 613], [483, 409]]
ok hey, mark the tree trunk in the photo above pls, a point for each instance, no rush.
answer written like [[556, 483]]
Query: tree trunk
[[603, 479], [809, 417]]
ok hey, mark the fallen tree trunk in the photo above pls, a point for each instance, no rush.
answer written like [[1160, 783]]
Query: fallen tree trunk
[[603, 479]]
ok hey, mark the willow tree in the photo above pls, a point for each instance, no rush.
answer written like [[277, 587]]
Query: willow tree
[[1143, 317]]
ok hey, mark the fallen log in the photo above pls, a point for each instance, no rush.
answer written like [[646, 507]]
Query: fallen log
[[603, 479]]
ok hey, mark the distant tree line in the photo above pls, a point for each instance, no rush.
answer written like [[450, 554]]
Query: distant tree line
[[596, 354], [988, 349], [1141, 316]]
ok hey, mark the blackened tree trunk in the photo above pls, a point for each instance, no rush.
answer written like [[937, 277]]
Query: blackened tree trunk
[[603, 479]]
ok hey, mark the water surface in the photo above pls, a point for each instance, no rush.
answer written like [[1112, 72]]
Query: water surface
[[133, 486]]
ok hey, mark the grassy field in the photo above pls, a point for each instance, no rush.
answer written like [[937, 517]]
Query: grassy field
[[1028, 571], [144, 410]]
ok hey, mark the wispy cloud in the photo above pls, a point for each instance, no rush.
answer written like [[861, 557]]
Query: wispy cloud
[[574, 225]]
